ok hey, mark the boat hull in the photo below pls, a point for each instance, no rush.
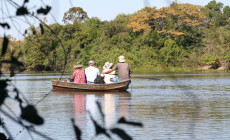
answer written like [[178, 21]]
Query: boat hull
[[65, 85]]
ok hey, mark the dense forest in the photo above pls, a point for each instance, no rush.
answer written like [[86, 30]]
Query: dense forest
[[180, 37]]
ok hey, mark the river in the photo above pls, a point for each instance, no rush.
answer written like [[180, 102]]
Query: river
[[178, 106]]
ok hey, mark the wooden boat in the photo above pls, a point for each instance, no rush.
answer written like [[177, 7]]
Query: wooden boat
[[64, 84]]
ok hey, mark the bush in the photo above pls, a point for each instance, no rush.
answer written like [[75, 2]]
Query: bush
[[211, 60]]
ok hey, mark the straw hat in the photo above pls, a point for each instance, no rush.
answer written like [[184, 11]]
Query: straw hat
[[121, 58], [107, 65], [78, 65]]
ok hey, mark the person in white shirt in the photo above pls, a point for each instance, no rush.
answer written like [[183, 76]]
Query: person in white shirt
[[91, 72], [107, 77]]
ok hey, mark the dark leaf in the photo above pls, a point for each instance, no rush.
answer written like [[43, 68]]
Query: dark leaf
[[121, 133], [16, 62], [3, 91], [17, 95], [4, 45], [3, 136], [26, 1], [42, 29], [100, 110], [1, 122], [13, 61], [77, 130], [3, 84], [99, 129], [22, 11], [44, 11], [3, 96], [34, 32], [5, 25], [12, 73], [25, 32], [124, 121], [30, 114]]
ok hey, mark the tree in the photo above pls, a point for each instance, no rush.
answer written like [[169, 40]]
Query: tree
[[75, 14], [226, 11], [213, 11], [170, 21], [182, 22], [217, 46], [171, 53], [141, 20]]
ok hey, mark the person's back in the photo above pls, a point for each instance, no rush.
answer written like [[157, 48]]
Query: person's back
[[79, 74], [123, 68], [91, 72], [123, 71]]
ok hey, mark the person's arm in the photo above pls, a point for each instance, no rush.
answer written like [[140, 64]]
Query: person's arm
[[73, 76], [106, 72], [130, 71]]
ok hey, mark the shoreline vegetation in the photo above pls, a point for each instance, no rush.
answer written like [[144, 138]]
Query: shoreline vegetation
[[142, 70], [177, 38]]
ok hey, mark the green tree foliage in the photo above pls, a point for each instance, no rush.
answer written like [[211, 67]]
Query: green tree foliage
[[211, 60], [181, 35], [74, 14], [13, 51], [217, 14], [217, 43], [226, 11], [171, 53]]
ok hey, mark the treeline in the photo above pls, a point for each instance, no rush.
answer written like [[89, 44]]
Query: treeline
[[181, 36]]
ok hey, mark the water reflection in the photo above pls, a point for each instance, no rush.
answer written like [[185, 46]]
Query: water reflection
[[114, 105], [109, 109]]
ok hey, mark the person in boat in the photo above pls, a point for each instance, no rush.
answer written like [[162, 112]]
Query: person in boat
[[79, 74], [123, 68], [108, 78], [91, 72]]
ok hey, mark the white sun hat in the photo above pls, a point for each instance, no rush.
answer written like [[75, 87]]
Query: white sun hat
[[121, 58], [107, 65]]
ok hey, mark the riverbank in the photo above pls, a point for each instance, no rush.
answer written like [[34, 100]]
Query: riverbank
[[179, 69], [138, 70]]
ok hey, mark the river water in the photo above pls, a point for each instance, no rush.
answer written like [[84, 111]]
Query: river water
[[179, 106]]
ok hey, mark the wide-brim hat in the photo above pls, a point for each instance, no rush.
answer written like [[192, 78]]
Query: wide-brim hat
[[121, 58], [78, 65], [107, 65]]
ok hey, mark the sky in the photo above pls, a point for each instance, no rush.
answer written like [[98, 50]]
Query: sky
[[103, 9]]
